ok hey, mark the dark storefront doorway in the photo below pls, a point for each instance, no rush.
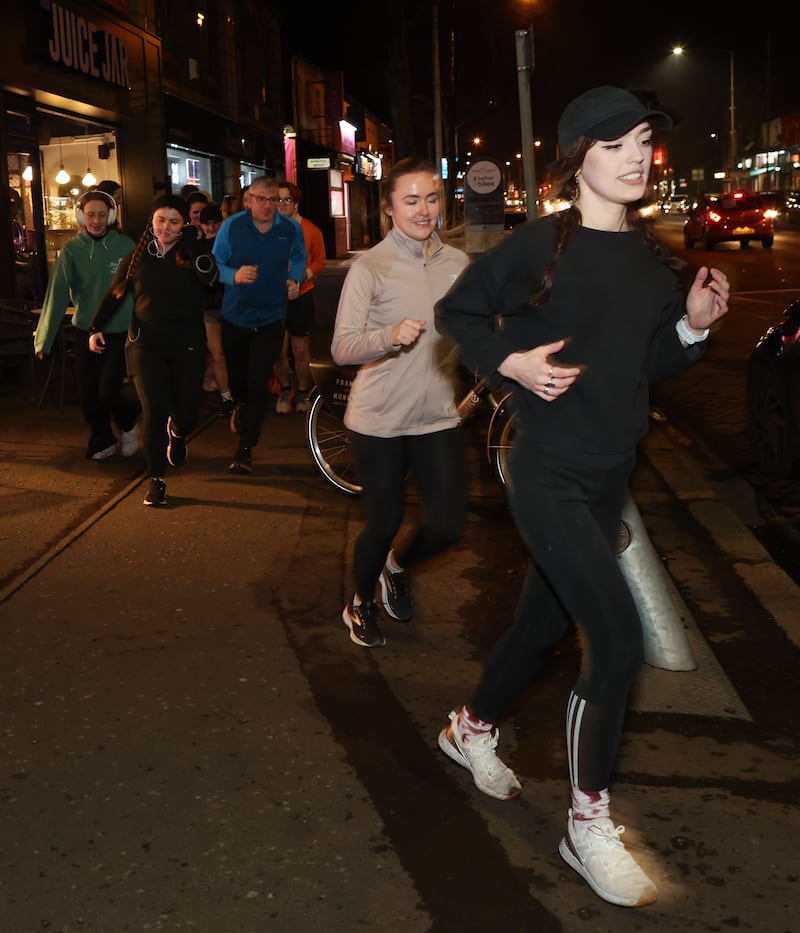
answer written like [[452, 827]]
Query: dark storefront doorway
[[52, 159]]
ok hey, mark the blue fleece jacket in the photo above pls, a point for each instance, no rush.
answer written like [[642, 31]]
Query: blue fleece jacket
[[280, 254]]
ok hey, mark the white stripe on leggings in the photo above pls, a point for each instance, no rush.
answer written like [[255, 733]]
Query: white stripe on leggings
[[575, 708]]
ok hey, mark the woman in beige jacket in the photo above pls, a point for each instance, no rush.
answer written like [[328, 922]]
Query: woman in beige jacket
[[401, 413]]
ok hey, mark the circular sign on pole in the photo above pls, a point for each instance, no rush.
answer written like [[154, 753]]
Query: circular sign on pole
[[484, 195], [484, 177]]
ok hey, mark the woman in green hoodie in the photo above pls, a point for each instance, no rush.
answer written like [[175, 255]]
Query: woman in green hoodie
[[83, 271]]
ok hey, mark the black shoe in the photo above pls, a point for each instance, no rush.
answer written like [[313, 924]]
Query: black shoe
[[177, 450], [226, 408], [395, 594], [362, 620], [241, 462], [157, 493]]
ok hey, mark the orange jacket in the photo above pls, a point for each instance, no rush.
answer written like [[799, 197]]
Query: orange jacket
[[315, 247]]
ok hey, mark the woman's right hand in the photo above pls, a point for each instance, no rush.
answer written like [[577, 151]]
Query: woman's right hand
[[407, 331], [96, 343], [538, 373]]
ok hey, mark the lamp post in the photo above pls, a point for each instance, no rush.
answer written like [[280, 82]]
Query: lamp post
[[525, 54], [732, 146]]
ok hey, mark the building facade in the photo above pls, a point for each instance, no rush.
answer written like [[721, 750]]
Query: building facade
[[157, 94], [81, 103]]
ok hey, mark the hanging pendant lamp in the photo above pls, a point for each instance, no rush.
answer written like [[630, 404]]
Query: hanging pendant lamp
[[63, 175]]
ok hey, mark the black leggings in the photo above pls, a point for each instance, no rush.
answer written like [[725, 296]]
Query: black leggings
[[568, 516], [169, 381], [101, 377], [250, 355], [437, 464]]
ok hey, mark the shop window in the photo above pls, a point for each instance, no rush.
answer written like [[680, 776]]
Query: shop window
[[192, 171], [45, 183]]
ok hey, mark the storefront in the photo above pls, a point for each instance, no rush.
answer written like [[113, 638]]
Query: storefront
[[204, 150], [81, 104]]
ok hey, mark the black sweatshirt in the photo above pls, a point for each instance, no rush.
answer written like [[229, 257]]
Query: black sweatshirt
[[169, 299], [613, 300]]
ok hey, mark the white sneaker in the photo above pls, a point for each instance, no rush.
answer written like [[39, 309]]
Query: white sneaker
[[605, 865], [284, 404], [477, 754], [129, 442], [104, 454]]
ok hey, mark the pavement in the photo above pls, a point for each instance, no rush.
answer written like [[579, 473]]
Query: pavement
[[191, 742]]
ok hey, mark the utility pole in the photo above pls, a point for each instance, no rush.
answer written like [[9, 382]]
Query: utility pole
[[525, 59], [437, 91]]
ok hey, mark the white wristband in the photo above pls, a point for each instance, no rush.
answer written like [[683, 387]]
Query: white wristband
[[686, 336]]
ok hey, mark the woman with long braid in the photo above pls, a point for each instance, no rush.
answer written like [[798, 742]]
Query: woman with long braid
[[579, 312], [166, 349]]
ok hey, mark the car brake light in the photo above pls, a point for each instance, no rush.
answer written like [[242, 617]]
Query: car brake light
[[714, 217]]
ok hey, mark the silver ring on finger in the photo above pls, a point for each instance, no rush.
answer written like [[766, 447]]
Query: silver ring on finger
[[546, 390], [550, 374], [549, 384]]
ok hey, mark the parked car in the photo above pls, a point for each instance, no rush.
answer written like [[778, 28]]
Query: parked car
[[739, 216], [773, 395]]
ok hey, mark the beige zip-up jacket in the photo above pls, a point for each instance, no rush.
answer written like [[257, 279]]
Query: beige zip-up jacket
[[398, 390]]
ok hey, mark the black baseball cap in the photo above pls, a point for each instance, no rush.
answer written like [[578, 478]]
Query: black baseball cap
[[606, 113]]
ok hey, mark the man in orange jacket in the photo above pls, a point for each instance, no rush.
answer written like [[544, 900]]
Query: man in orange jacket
[[300, 315]]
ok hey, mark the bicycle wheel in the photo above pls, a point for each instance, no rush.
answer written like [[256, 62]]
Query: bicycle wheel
[[329, 445], [499, 441]]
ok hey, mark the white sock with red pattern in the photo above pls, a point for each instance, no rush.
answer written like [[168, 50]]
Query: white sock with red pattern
[[469, 725], [588, 806]]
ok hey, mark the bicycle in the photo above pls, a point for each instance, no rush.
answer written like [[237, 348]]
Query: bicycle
[[327, 438], [665, 642]]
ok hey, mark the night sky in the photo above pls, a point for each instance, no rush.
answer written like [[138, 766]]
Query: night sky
[[578, 44]]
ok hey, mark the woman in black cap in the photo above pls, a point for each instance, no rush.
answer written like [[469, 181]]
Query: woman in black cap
[[577, 313], [167, 275]]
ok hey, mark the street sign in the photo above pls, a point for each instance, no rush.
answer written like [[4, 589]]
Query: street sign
[[484, 206]]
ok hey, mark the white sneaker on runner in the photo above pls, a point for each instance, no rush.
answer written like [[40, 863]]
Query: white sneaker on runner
[[603, 862], [129, 441], [477, 754]]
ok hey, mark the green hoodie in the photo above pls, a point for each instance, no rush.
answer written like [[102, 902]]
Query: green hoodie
[[83, 271]]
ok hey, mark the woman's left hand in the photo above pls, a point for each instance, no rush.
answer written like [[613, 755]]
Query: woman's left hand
[[707, 300]]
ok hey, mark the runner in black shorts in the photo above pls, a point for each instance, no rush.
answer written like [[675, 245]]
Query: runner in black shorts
[[300, 314]]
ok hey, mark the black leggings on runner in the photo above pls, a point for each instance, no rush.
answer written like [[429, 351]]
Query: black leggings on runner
[[250, 355], [437, 465], [568, 516], [169, 381]]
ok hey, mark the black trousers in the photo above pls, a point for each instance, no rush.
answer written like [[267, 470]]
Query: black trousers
[[250, 355], [100, 378], [568, 516], [169, 381], [437, 466]]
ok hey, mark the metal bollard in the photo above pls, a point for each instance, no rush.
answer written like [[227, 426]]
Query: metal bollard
[[665, 643]]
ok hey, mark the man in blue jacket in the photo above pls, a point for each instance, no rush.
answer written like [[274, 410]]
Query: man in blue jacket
[[261, 257]]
